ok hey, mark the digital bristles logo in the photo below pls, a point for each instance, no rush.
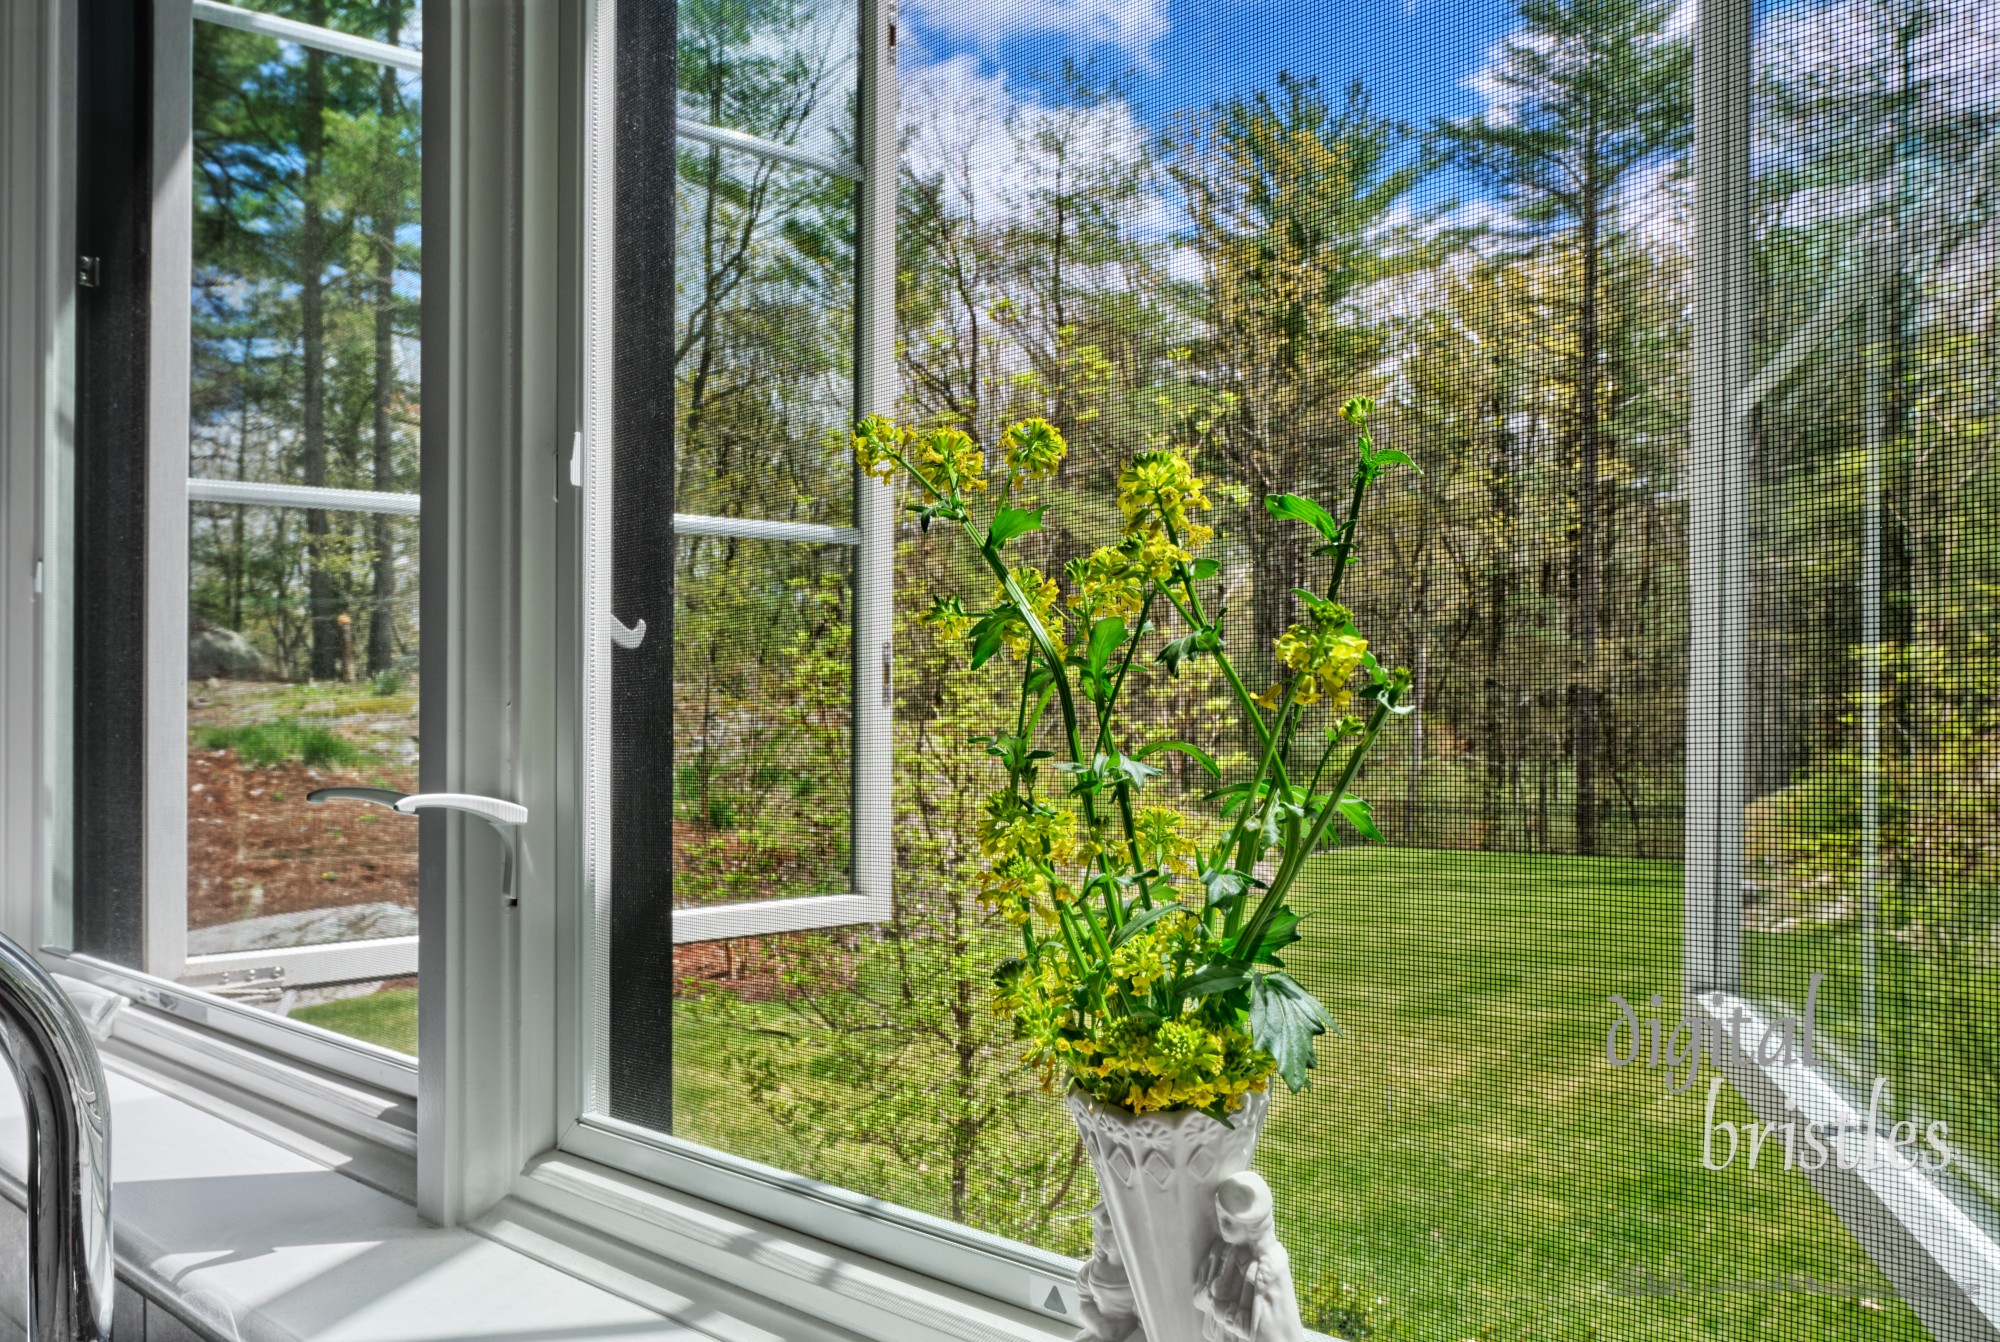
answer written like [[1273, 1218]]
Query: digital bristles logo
[[1843, 1137]]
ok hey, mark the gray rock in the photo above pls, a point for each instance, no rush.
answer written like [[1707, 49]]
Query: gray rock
[[306, 927], [224, 653]]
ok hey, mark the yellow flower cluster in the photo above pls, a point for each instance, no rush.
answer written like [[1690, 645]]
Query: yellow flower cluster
[[1162, 845], [947, 616], [1155, 492], [1324, 649], [875, 438], [1107, 583], [949, 455], [1023, 843], [1043, 597], [1033, 447], [1199, 1059]]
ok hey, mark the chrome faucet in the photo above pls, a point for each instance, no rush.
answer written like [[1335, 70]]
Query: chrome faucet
[[69, 1153]]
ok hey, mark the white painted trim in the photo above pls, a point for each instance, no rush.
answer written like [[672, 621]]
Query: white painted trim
[[876, 388], [335, 1054], [833, 1278], [167, 415], [306, 35], [724, 138], [758, 529], [1716, 475], [1940, 1260], [254, 494], [766, 917], [314, 966]]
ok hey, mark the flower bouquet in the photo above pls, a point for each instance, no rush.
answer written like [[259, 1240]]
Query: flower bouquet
[[1149, 983]]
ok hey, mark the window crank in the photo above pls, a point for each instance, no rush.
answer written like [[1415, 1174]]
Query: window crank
[[506, 817]]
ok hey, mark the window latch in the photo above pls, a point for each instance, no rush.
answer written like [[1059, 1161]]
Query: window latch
[[627, 636], [505, 817]]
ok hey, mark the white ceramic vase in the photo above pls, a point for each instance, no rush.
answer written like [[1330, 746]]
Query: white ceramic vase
[[1157, 1174]]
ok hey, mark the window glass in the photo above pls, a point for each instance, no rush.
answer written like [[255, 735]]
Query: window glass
[[1206, 226], [764, 280], [1870, 797], [302, 559], [780, 70]]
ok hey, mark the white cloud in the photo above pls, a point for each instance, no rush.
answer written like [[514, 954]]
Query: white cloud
[[1132, 26]]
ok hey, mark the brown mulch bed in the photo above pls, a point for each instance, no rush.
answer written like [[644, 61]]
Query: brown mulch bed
[[255, 846]]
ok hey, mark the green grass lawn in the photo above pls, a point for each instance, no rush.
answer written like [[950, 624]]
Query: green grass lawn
[[1465, 1152], [387, 1018]]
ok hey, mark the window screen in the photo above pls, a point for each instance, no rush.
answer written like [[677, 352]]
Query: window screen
[[1654, 558]]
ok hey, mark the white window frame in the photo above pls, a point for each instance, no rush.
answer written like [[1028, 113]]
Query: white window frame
[[1944, 1262], [504, 1137]]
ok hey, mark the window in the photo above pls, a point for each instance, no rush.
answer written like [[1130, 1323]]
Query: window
[[275, 581], [1631, 585]]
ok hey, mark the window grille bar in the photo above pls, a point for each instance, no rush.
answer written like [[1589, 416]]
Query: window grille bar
[[723, 138], [757, 529], [306, 35], [252, 493]]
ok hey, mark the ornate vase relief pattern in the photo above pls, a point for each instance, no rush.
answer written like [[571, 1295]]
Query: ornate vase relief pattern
[[1160, 1175]]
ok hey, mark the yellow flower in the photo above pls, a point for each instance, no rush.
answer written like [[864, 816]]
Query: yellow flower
[[1157, 829], [1155, 492], [874, 439], [953, 459], [1108, 583], [947, 616], [1033, 448]]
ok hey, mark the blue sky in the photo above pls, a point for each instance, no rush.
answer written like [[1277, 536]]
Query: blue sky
[[1415, 56]]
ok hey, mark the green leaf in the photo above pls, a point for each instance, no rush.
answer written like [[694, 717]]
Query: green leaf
[[1193, 752], [1204, 569], [1292, 507], [1284, 1020], [1011, 522], [1106, 636], [1356, 811], [1282, 932], [1383, 460], [1226, 884], [1216, 978], [1136, 772], [1140, 922]]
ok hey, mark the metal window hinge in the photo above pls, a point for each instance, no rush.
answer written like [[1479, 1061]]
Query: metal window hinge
[[506, 817], [89, 271]]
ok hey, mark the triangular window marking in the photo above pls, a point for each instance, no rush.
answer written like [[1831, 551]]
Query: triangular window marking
[[1055, 1301]]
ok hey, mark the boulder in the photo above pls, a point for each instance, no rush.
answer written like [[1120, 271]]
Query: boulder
[[224, 653]]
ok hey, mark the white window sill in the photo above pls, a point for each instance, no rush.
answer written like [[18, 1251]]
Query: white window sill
[[238, 1226], [1936, 1255]]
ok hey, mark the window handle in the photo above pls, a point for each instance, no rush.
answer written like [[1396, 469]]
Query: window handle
[[626, 637], [505, 817]]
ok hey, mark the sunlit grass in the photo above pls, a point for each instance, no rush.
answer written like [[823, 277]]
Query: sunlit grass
[[388, 1018]]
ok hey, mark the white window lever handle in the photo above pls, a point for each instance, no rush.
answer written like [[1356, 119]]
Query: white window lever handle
[[627, 637], [505, 817]]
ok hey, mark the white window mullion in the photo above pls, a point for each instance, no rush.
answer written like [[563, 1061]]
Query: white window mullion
[[167, 490], [874, 508]]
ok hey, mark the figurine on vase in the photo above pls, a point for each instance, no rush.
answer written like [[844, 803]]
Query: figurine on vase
[[1244, 1292], [1104, 1294]]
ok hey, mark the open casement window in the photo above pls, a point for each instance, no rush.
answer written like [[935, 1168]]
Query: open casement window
[[274, 584], [737, 578]]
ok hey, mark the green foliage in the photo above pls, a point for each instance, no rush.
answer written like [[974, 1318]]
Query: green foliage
[[1124, 991], [264, 744], [1350, 1313], [387, 1018]]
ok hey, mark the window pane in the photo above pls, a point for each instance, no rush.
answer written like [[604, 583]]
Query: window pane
[[781, 70], [764, 279], [1871, 797], [302, 662], [1136, 225], [763, 720], [396, 22]]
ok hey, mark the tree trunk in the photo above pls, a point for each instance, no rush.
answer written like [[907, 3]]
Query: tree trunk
[[1499, 593], [388, 217], [1583, 696], [322, 597]]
